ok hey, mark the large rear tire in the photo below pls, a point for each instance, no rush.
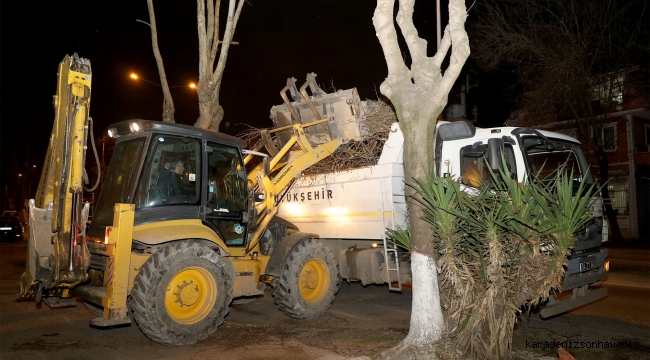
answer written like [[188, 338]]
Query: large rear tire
[[181, 294], [309, 281]]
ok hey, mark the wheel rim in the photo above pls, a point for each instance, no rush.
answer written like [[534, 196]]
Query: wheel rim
[[190, 295], [314, 280]]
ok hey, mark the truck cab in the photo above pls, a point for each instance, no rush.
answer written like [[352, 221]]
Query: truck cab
[[465, 153]]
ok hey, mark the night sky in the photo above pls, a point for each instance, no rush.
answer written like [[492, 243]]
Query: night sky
[[277, 39]]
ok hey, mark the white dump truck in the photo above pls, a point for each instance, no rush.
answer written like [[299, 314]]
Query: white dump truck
[[351, 210]]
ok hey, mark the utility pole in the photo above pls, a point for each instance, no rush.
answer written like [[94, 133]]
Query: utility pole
[[103, 146], [438, 22]]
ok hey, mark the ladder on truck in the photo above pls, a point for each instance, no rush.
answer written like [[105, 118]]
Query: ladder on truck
[[388, 189]]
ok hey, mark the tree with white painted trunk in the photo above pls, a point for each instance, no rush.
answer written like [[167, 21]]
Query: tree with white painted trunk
[[419, 94]]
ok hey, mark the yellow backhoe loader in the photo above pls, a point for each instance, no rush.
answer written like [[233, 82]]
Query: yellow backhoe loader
[[180, 227]]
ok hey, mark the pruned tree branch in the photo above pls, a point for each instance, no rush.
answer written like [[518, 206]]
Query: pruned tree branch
[[445, 44], [168, 105], [215, 38], [210, 74], [387, 35], [229, 33], [142, 21]]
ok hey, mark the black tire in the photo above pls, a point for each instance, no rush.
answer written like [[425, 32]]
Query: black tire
[[287, 287], [153, 291], [96, 310]]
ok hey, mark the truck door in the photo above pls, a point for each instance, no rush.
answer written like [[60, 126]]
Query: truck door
[[227, 193]]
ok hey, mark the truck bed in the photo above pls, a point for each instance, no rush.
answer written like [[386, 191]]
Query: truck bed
[[354, 204]]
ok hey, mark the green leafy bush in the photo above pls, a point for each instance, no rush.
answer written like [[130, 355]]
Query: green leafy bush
[[499, 247]]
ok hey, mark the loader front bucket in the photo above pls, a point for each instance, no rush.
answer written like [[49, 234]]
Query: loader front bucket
[[343, 108]]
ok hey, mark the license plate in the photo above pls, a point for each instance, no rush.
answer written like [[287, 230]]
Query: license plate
[[586, 265]]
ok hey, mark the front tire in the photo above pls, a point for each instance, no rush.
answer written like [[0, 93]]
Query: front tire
[[309, 280], [181, 294]]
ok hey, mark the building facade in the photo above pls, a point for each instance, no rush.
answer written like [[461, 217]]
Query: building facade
[[625, 134]]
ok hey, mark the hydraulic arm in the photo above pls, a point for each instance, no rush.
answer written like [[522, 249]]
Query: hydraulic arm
[[302, 156], [57, 256]]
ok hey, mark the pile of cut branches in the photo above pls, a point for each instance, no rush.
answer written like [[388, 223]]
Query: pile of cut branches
[[375, 126], [377, 118]]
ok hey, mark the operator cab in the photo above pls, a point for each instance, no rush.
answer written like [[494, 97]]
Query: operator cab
[[175, 172]]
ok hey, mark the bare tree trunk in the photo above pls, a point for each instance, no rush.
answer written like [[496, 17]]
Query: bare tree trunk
[[210, 111], [210, 77], [168, 102], [419, 95]]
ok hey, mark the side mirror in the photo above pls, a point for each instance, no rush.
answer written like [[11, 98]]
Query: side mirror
[[456, 130], [495, 149]]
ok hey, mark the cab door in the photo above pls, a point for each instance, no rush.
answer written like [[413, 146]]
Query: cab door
[[227, 193]]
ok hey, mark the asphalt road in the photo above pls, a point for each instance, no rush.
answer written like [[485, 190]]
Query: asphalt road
[[363, 322], [628, 287]]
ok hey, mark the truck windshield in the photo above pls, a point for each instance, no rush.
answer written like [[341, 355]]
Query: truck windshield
[[121, 172], [543, 159]]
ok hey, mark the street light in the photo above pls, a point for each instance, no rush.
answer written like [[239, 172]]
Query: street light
[[135, 76]]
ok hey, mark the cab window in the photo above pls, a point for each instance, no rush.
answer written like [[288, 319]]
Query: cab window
[[474, 166], [171, 174], [544, 159], [121, 175]]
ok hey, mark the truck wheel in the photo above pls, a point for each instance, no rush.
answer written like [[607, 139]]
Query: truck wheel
[[181, 294], [309, 280]]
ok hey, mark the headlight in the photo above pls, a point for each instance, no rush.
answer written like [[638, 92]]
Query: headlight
[[112, 132]]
